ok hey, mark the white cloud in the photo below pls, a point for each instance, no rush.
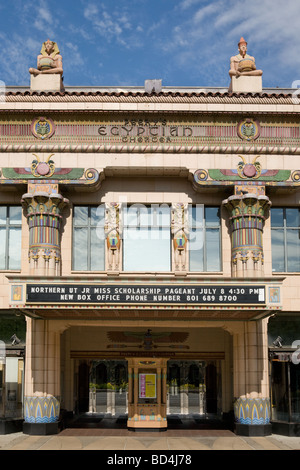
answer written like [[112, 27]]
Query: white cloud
[[104, 23], [114, 24], [208, 34], [188, 3], [20, 54], [210, 9], [43, 20]]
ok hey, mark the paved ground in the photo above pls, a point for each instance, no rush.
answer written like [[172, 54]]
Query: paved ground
[[171, 440]]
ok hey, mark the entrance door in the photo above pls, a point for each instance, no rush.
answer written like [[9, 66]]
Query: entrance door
[[108, 387], [193, 387], [83, 387], [211, 389], [174, 380]]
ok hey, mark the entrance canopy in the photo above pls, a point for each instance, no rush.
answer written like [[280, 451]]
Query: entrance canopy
[[170, 298]]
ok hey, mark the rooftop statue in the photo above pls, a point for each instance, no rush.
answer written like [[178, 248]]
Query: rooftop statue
[[49, 61], [242, 63]]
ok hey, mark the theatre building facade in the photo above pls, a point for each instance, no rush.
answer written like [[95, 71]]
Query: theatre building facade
[[150, 255]]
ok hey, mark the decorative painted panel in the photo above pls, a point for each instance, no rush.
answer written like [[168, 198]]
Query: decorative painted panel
[[145, 129]]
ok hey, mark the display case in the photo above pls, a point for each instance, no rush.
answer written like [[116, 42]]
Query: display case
[[147, 393]]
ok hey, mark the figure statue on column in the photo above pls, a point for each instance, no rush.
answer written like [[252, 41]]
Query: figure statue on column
[[179, 227], [242, 63], [112, 229], [49, 60]]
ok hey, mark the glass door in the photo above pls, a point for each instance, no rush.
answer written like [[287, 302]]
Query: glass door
[[108, 387], [196, 388], [193, 388], [173, 388], [285, 391]]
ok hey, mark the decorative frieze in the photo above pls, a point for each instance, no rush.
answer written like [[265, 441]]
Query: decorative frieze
[[74, 132]]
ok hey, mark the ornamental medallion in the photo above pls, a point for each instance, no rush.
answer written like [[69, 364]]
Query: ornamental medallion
[[248, 129], [42, 128]]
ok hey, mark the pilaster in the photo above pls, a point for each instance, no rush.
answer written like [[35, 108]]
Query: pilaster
[[179, 226], [42, 384], [113, 238], [251, 382]]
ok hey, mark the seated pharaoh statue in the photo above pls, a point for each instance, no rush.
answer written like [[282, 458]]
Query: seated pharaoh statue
[[49, 61], [243, 72], [243, 64]]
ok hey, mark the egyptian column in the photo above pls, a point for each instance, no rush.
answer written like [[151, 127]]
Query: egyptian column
[[44, 214], [247, 214], [42, 387]]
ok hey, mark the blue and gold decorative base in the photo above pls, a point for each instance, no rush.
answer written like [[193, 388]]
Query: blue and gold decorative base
[[41, 415], [252, 416]]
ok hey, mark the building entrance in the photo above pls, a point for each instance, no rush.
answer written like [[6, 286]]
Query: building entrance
[[193, 387]]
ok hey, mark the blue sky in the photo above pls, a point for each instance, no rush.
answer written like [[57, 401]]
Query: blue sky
[[125, 42]]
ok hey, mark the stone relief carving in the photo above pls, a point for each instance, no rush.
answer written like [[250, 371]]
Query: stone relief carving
[[179, 226], [112, 232]]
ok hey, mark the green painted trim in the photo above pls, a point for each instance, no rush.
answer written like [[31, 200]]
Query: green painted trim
[[10, 173], [282, 175]]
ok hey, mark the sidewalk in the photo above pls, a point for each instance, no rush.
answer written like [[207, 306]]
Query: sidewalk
[[87, 439]]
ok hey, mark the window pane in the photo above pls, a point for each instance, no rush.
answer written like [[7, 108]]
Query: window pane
[[212, 217], [293, 250], [208, 257], [89, 238], [14, 250], [80, 246], [196, 252], [144, 217], [147, 238], [277, 237], [277, 217], [97, 215], [80, 215], [146, 250], [213, 262], [131, 215], [196, 215], [97, 250], [292, 217], [161, 216], [2, 247], [3, 212], [15, 215]]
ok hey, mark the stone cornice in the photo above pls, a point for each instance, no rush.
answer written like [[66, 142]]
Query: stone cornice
[[170, 149]]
